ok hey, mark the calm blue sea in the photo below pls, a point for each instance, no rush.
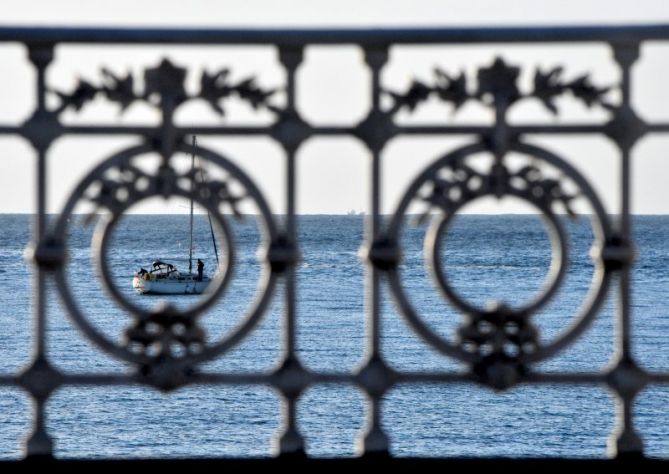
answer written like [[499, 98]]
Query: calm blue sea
[[487, 258]]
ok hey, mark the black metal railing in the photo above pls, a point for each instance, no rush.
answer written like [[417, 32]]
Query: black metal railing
[[499, 345]]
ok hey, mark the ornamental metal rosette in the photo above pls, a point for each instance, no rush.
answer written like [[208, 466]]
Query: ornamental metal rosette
[[166, 338], [499, 341], [167, 341]]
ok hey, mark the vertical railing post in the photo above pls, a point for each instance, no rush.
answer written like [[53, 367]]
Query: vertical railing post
[[626, 378], [39, 378], [293, 377], [625, 56], [374, 375]]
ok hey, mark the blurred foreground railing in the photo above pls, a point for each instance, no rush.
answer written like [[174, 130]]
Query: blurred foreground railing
[[498, 344]]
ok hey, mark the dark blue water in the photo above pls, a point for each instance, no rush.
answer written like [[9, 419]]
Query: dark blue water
[[487, 258]]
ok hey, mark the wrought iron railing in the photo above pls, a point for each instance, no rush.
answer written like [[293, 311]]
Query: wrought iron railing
[[499, 345]]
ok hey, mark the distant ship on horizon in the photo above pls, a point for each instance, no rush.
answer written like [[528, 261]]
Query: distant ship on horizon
[[353, 212]]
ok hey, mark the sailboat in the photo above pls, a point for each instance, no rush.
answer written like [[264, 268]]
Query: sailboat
[[163, 278]]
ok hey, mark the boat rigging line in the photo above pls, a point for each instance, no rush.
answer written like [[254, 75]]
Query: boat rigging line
[[211, 226]]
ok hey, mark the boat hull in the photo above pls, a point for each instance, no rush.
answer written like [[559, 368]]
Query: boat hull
[[170, 286]]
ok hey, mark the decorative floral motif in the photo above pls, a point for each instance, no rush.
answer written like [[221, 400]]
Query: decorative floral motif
[[549, 85], [456, 184], [165, 335], [166, 82], [497, 85], [498, 333], [83, 93], [447, 88], [116, 89], [131, 184], [215, 87], [164, 87], [119, 89]]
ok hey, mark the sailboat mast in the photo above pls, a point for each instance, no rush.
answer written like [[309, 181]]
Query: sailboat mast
[[211, 226], [192, 191]]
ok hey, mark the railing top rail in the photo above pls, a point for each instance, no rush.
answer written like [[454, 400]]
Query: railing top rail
[[362, 36]]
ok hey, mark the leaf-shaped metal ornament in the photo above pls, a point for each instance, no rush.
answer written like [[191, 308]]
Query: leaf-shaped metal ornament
[[119, 89]]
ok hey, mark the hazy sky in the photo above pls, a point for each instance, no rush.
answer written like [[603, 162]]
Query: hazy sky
[[333, 173]]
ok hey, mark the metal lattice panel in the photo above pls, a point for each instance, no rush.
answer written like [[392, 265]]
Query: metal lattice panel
[[498, 344]]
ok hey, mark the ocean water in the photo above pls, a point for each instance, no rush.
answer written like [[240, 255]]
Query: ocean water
[[487, 258]]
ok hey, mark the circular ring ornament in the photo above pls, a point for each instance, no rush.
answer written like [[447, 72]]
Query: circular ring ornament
[[500, 333], [120, 183]]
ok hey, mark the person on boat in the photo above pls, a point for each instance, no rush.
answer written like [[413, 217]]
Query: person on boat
[[200, 269]]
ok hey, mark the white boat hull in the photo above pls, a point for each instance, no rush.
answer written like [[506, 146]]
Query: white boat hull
[[170, 286]]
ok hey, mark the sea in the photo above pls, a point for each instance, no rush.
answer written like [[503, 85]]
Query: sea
[[486, 258]]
